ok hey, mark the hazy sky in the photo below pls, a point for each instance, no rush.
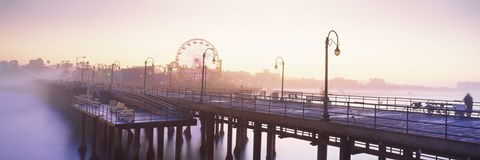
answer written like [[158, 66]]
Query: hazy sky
[[425, 42]]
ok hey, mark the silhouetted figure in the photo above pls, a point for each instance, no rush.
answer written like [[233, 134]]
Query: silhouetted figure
[[468, 100]]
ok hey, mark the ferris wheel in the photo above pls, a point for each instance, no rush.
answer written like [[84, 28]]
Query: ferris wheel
[[188, 60]]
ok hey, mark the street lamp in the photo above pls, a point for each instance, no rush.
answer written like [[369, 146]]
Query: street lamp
[[162, 67], [328, 42], [145, 74], [114, 65], [203, 71], [83, 67], [62, 68], [170, 76], [283, 78], [99, 67], [76, 60], [76, 64]]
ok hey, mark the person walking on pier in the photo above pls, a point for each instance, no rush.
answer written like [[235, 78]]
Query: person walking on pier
[[468, 100]]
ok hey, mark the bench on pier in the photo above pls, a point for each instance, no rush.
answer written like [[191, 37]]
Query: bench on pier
[[123, 113], [311, 99], [429, 107], [440, 108], [460, 110], [240, 96], [293, 96]]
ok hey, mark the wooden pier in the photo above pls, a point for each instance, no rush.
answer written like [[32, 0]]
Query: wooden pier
[[389, 127]]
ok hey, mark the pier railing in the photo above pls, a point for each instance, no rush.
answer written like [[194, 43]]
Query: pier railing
[[119, 113], [427, 117]]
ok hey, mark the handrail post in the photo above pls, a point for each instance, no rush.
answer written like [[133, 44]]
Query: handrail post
[[363, 102], [242, 99], [303, 108], [408, 111], [185, 94], [116, 113], [348, 112], [375, 117], [395, 103], [387, 103], [255, 102], [446, 123], [230, 100], [336, 102], [269, 105], [210, 97]]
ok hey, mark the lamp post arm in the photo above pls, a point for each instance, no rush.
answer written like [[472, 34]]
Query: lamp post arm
[[202, 87], [283, 71], [145, 74], [330, 40]]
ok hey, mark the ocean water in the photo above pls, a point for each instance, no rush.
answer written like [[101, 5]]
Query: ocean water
[[32, 128]]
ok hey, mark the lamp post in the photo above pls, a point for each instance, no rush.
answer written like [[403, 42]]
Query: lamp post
[[76, 60], [283, 78], [114, 65], [76, 63], [62, 69], [83, 67], [170, 76], [99, 67], [145, 74], [164, 69], [203, 72], [328, 42], [93, 77]]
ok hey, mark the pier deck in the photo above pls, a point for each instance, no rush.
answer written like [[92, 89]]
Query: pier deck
[[441, 130], [131, 116], [379, 119]]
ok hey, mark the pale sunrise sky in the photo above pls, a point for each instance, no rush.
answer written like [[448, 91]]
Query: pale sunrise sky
[[422, 42]]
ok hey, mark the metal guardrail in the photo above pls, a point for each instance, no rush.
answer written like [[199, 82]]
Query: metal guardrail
[[116, 114], [434, 118]]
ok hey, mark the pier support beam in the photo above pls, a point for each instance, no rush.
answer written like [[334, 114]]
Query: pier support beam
[[345, 148], [136, 144], [93, 156], [382, 151], [105, 136], [83, 146], [171, 131], [160, 141], [129, 136], [244, 130], [322, 147], [150, 151], [238, 138], [221, 126], [418, 154], [178, 145], [110, 142], [229, 140], [119, 148], [241, 138], [257, 140], [203, 134], [270, 142], [407, 153], [210, 131], [187, 133], [217, 125]]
